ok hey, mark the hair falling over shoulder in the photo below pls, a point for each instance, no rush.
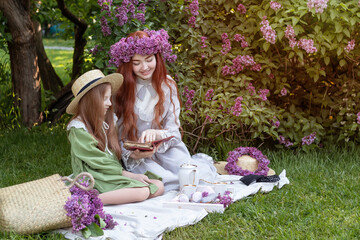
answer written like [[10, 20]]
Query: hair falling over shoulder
[[125, 97], [91, 112]]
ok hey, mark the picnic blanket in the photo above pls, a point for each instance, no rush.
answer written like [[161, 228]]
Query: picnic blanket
[[150, 219]]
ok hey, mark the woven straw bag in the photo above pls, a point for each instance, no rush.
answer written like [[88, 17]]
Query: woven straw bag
[[36, 206]]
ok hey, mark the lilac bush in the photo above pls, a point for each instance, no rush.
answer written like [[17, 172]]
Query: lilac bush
[[284, 71], [293, 61]]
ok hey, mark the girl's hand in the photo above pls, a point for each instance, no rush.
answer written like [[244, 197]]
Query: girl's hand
[[150, 135], [141, 178], [137, 154]]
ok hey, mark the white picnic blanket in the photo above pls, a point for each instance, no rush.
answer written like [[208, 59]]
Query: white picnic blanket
[[150, 219]]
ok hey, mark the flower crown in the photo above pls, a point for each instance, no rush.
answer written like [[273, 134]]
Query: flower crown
[[126, 48], [253, 152]]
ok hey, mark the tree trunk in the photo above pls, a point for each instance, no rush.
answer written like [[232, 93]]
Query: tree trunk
[[49, 78], [23, 60]]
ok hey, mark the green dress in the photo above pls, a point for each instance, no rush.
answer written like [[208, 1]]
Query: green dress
[[104, 167]]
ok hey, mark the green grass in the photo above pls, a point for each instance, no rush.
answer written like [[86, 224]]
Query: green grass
[[62, 63], [321, 201], [58, 42]]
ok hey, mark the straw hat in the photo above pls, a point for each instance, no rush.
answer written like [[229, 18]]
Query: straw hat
[[245, 162], [89, 80]]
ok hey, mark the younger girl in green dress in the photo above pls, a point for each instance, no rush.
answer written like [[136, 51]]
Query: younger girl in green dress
[[94, 143]]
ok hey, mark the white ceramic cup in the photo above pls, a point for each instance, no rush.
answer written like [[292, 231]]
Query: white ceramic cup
[[188, 175], [188, 190], [220, 188]]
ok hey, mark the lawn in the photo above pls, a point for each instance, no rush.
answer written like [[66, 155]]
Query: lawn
[[321, 201]]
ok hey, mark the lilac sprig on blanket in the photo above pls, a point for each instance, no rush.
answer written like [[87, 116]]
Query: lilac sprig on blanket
[[225, 199], [85, 208], [232, 168]]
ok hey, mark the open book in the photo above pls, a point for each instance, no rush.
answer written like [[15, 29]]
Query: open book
[[146, 146]]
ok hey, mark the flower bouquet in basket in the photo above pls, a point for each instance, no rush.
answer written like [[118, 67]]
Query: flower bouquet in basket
[[85, 209]]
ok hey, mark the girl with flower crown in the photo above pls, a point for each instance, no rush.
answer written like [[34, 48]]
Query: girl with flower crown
[[148, 106], [94, 143]]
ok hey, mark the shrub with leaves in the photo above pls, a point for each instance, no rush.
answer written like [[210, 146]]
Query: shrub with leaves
[[286, 70]]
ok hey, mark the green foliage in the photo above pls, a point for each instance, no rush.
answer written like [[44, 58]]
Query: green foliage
[[9, 114], [154, 20], [322, 87]]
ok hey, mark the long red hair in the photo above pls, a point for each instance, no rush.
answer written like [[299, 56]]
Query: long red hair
[[91, 112], [125, 97]]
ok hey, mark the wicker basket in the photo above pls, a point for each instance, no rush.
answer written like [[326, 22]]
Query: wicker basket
[[34, 206]]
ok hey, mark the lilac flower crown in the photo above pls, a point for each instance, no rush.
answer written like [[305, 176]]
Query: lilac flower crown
[[157, 42], [253, 152]]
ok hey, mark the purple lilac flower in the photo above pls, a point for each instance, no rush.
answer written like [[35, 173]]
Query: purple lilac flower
[[209, 94], [194, 8], [142, 7], [238, 38], [140, 17], [194, 11], [239, 63], [236, 109], [225, 199], [358, 118], [94, 50], [105, 6], [350, 46], [82, 207], [262, 93], [131, 8], [192, 21], [189, 94], [319, 5], [256, 67], [204, 194], [203, 43], [275, 5], [285, 142], [208, 118], [290, 34], [121, 15], [251, 89], [275, 122], [266, 30], [105, 29], [283, 92], [226, 70], [307, 140], [241, 8], [226, 47], [307, 45]]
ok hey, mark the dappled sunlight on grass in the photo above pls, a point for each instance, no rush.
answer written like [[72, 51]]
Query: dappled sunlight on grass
[[62, 63]]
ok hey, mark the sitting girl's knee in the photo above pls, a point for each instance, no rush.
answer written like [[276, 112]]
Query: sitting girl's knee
[[160, 186]]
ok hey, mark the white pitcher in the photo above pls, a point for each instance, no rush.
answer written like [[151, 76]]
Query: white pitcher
[[188, 175]]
